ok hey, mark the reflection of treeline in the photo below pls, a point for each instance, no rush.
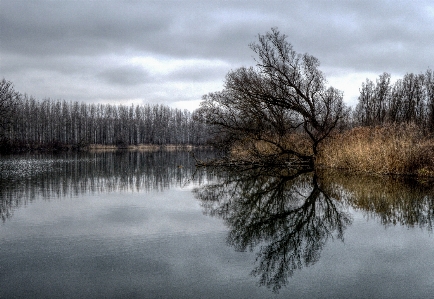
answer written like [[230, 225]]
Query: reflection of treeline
[[31, 123], [392, 200], [23, 180]]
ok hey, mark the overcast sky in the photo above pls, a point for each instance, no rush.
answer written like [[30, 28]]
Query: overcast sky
[[173, 52]]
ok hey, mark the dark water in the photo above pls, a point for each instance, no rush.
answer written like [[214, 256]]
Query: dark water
[[150, 225]]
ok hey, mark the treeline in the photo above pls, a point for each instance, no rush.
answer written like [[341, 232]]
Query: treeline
[[408, 100], [392, 130], [27, 123]]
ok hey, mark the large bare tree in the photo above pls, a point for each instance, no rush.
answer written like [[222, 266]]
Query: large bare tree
[[284, 94]]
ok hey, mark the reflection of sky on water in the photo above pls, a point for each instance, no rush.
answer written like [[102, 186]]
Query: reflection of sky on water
[[378, 262], [115, 214], [156, 243]]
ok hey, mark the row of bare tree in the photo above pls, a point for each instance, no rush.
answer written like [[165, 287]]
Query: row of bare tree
[[26, 122], [410, 99]]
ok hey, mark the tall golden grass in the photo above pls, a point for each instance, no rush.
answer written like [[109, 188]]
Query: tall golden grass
[[389, 149], [253, 150]]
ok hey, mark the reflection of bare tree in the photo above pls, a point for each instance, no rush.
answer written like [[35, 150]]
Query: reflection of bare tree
[[285, 214]]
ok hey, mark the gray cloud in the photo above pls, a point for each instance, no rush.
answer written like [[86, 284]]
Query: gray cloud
[[125, 75], [199, 73], [74, 39]]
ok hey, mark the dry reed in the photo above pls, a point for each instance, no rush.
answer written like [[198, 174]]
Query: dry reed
[[390, 149], [257, 150]]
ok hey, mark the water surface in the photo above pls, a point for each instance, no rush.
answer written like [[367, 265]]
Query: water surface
[[150, 225]]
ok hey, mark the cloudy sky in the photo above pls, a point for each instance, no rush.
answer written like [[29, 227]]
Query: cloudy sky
[[173, 52]]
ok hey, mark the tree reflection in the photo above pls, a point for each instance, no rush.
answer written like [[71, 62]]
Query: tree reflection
[[23, 178], [288, 216], [285, 214]]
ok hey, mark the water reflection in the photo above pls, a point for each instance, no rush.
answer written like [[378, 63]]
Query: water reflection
[[391, 200], [24, 178], [287, 216]]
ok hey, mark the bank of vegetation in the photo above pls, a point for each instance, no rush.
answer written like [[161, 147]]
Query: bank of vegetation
[[282, 111], [392, 129], [386, 149]]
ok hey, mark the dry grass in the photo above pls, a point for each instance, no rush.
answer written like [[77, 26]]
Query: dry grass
[[257, 150], [390, 149], [175, 147], [101, 147], [252, 150], [143, 147]]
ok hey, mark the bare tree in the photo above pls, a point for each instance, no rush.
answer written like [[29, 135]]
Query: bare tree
[[373, 100], [285, 93], [429, 90], [364, 109], [382, 95], [8, 101], [408, 100]]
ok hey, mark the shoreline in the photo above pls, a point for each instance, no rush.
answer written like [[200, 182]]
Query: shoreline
[[56, 148], [145, 147]]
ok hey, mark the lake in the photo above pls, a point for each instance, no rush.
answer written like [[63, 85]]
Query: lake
[[150, 225]]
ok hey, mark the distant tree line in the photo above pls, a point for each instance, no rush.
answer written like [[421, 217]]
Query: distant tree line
[[29, 123], [408, 100]]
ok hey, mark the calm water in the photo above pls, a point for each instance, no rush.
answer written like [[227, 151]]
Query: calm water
[[150, 225]]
